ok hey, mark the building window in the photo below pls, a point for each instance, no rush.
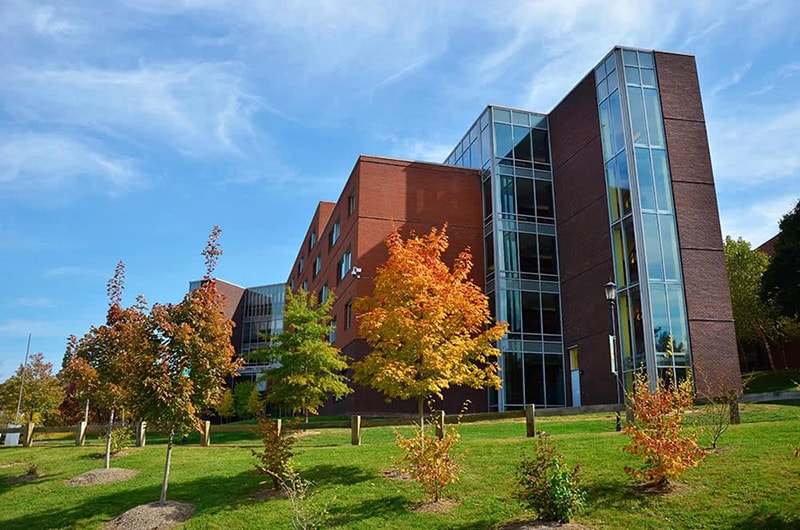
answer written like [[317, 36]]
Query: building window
[[344, 264], [334, 235], [323, 294], [305, 285], [332, 333], [312, 240], [291, 284], [300, 266], [317, 265], [351, 203], [348, 314]]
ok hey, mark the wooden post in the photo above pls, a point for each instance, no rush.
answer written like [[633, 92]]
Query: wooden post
[[141, 434], [27, 434], [733, 402], [440, 424], [205, 441], [80, 433], [355, 430], [530, 420], [279, 425]]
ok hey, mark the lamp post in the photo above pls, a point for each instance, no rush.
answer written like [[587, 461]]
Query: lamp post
[[611, 298]]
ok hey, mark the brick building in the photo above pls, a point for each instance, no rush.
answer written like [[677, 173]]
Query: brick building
[[614, 184]]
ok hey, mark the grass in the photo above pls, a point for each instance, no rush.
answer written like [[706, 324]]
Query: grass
[[758, 382], [753, 481]]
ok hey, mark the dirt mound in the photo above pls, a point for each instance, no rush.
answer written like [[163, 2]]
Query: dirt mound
[[153, 516], [102, 476]]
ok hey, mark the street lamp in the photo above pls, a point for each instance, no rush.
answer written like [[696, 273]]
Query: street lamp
[[611, 298]]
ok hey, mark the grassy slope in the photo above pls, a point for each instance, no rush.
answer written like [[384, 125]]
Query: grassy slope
[[753, 481]]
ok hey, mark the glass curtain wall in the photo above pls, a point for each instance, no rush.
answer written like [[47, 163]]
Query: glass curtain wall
[[262, 316], [643, 232], [512, 148]]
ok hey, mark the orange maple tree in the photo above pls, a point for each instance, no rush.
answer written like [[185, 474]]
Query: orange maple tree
[[429, 326], [657, 434]]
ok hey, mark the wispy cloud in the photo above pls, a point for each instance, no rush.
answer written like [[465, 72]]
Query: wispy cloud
[[21, 328], [41, 302], [731, 80], [195, 108], [37, 163], [758, 221]]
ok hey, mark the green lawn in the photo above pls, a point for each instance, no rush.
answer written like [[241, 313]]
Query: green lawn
[[781, 381], [753, 481]]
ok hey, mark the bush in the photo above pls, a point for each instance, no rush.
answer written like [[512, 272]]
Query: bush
[[547, 485], [657, 434], [428, 459], [306, 514], [274, 460]]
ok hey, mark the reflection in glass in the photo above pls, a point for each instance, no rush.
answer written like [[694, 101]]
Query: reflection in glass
[[616, 120], [632, 75], [502, 115], [623, 183], [648, 77], [544, 199], [525, 202], [661, 177], [486, 145], [612, 190], [638, 328], [619, 256], [669, 244], [507, 194], [652, 242], [522, 143], [510, 258], [624, 332], [512, 381], [489, 254], [528, 257], [631, 262], [534, 380], [606, 130], [646, 60], [658, 303], [531, 313], [629, 58], [551, 322], [502, 140], [638, 123], [653, 108], [547, 254], [487, 198], [645, 177], [554, 379], [514, 313], [541, 146], [680, 328]]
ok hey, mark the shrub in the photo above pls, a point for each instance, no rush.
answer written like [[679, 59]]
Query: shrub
[[274, 459], [547, 485], [306, 515], [121, 436], [657, 433], [429, 459]]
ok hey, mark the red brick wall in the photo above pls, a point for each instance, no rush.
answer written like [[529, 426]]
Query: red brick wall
[[708, 303], [584, 241], [393, 193], [234, 309]]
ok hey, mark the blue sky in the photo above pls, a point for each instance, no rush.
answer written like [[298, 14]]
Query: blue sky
[[129, 128]]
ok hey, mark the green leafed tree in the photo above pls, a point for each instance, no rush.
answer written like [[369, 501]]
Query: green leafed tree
[[241, 396], [428, 325], [307, 369], [758, 321], [182, 372], [781, 281], [255, 403], [42, 392]]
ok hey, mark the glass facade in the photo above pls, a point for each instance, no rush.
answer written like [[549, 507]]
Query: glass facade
[[512, 149], [642, 220]]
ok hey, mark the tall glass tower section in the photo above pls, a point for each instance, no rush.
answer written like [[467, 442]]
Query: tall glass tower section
[[512, 149], [651, 306]]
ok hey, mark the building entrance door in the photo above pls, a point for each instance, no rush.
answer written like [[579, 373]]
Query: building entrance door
[[575, 376]]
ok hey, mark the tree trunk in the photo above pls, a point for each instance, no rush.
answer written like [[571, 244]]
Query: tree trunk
[[108, 439], [421, 423], [86, 413], [765, 341], [163, 498], [742, 356]]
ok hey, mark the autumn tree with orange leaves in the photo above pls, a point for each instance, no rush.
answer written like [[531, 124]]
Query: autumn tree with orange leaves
[[429, 327], [182, 371]]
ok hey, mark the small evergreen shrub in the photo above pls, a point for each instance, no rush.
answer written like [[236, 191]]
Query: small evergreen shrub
[[274, 459], [547, 485]]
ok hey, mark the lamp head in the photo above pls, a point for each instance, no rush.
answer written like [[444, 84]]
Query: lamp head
[[611, 291]]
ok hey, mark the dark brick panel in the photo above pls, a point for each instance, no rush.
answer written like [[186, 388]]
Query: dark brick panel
[[707, 294], [679, 87], [697, 228]]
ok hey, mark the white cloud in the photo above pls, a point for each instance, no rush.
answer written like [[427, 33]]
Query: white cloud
[[73, 271], [732, 80], [37, 163], [195, 108], [35, 302], [21, 327]]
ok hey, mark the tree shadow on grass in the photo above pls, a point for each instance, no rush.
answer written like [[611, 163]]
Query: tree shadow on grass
[[385, 508], [210, 494], [619, 494], [762, 519], [327, 474]]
